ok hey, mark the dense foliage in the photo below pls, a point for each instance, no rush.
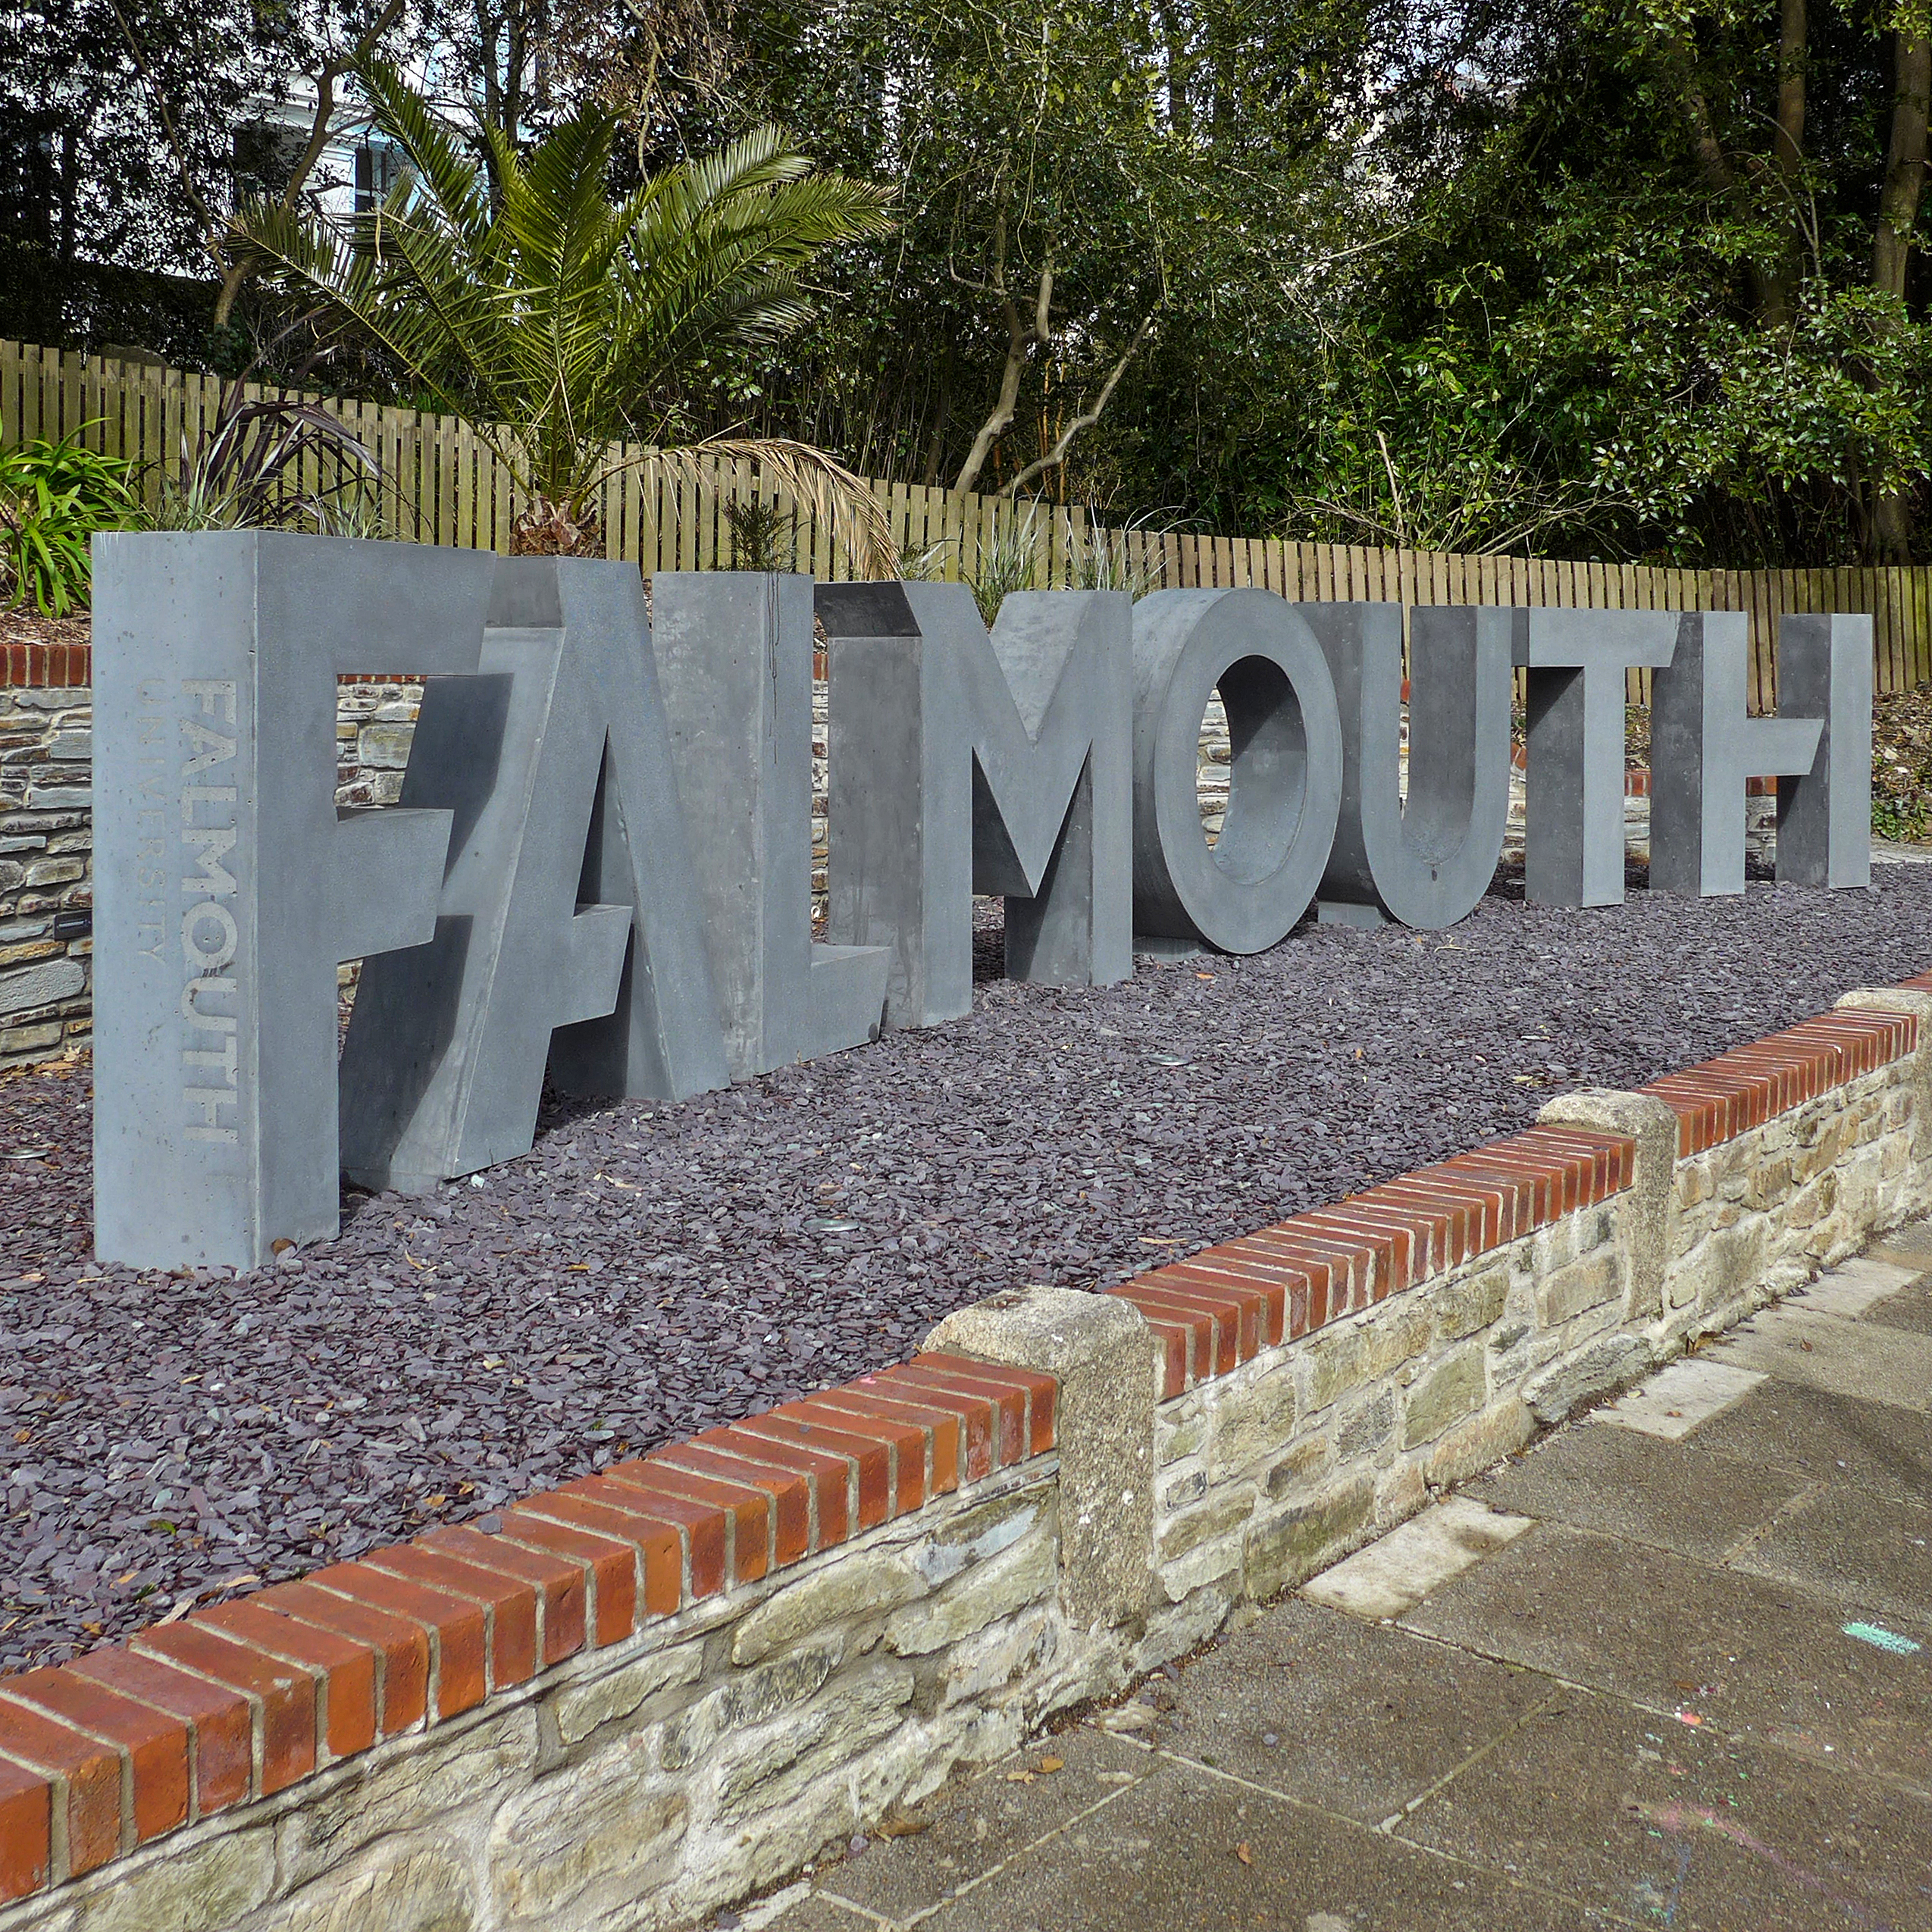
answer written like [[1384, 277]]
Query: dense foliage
[[559, 322], [1599, 277], [54, 497]]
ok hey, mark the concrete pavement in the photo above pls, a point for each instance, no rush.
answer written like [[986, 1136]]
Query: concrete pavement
[[1670, 1668]]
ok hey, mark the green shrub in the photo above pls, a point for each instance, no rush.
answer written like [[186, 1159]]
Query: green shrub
[[54, 496]]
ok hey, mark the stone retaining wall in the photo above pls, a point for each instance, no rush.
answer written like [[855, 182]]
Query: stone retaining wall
[[46, 873], [646, 1694]]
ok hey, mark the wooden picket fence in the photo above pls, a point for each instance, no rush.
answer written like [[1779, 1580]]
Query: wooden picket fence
[[441, 484]]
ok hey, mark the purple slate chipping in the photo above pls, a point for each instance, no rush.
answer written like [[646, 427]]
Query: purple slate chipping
[[647, 1272]]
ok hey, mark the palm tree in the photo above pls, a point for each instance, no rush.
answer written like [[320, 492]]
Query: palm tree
[[557, 320]]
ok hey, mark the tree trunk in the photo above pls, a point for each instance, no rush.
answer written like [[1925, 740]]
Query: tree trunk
[[70, 190], [547, 528], [1905, 164], [1180, 71], [1891, 252], [996, 425], [1780, 289]]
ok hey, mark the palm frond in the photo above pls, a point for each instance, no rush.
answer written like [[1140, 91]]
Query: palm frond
[[555, 320], [445, 176], [818, 484]]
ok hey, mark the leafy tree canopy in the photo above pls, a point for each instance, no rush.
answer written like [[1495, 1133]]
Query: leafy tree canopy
[[1600, 277]]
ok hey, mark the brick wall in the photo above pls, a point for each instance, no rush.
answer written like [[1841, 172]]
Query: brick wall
[[649, 1692]]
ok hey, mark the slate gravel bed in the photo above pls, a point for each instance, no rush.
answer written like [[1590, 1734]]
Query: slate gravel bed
[[647, 1272]]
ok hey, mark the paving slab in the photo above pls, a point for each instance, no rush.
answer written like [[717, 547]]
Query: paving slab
[[1396, 1572], [1910, 1309], [787, 1911], [1311, 1703], [1671, 1666], [975, 1827], [1910, 1246], [1661, 1824], [1676, 1400], [1831, 1436], [1168, 1858], [1624, 1483], [1854, 1289], [1876, 1551], [1861, 1359], [1760, 1657]]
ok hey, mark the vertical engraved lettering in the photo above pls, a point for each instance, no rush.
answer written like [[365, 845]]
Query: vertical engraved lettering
[[211, 1086]]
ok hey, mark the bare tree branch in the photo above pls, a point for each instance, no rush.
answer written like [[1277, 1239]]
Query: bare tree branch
[[996, 425], [1086, 419]]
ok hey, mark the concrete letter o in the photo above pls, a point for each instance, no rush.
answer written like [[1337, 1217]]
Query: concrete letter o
[[1243, 893]]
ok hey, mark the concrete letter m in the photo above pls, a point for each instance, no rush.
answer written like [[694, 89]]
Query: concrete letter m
[[962, 763]]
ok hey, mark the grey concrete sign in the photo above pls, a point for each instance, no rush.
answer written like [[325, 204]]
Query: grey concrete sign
[[601, 863], [1244, 893], [961, 762], [1824, 815], [733, 656], [568, 930], [1703, 746], [228, 888], [1576, 659], [1426, 862]]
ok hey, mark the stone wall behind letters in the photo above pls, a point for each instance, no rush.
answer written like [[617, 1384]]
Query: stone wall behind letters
[[46, 874]]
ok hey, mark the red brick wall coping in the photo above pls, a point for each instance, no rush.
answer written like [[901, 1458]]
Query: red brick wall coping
[[46, 667], [245, 1698]]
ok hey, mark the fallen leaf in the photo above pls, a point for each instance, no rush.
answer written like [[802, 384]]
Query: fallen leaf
[[578, 1268], [902, 1825], [1019, 1777], [1244, 1853], [1050, 1765]]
